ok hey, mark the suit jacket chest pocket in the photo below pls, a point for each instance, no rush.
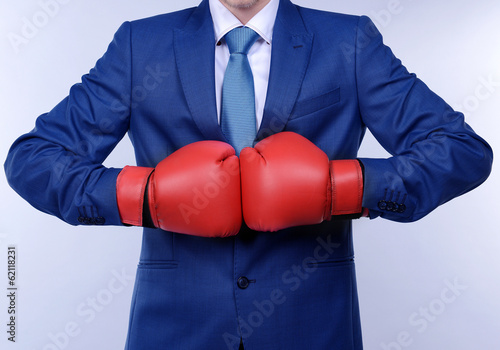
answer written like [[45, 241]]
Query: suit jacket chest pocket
[[311, 105]]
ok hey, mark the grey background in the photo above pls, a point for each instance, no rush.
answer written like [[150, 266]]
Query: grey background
[[67, 276]]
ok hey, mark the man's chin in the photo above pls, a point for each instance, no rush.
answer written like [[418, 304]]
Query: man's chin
[[240, 4]]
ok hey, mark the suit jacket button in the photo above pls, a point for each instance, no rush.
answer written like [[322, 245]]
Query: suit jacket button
[[395, 207], [243, 282], [382, 205]]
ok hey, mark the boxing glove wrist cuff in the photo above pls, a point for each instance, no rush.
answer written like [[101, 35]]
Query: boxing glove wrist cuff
[[130, 188], [147, 218], [153, 217], [347, 187]]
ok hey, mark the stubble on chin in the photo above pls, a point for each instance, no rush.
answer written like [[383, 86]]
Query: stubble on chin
[[240, 4]]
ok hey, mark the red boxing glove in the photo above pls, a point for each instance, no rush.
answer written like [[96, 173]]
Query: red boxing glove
[[287, 181], [195, 190]]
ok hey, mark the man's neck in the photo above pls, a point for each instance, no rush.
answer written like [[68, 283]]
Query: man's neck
[[244, 10]]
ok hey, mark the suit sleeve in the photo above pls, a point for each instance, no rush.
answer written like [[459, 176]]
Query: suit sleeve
[[436, 156], [57, 167]]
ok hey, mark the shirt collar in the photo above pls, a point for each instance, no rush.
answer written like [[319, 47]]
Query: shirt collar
[[262, 22]]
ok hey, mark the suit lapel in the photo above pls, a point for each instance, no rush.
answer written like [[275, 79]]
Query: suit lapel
[[289, 58], [194, 47]]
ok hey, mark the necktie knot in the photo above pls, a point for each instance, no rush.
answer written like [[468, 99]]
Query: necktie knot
[[240, 40]]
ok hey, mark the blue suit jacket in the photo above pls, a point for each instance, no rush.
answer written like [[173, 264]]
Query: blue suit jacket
[[331, 77]]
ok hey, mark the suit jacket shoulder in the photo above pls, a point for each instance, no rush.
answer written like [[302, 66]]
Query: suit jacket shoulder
[[164, 21], [319, 21]]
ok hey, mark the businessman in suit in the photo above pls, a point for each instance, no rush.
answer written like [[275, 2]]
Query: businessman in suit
[[250, 249]]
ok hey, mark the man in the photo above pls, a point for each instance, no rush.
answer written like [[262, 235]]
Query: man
[[210, 277]]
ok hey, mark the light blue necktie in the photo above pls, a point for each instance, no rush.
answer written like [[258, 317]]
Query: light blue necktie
[[238, 97]]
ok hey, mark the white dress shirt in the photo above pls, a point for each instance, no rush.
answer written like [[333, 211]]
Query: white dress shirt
[[259, 55]]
